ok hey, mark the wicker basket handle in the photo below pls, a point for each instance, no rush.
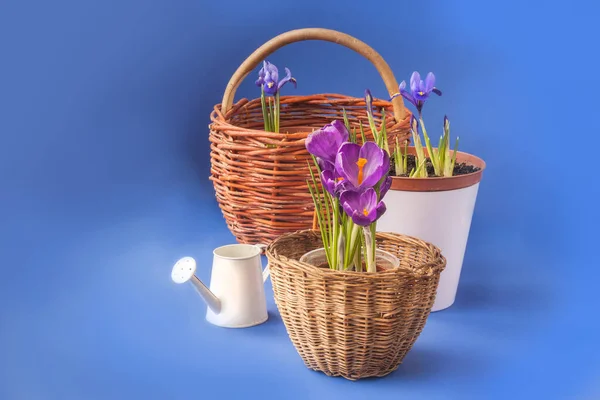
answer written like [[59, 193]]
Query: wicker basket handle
[[327, 35]]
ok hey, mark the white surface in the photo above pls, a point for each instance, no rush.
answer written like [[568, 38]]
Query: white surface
[[236, 297], [237, 281], [441, 218]]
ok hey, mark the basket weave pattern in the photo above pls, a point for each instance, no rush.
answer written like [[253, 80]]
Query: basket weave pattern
[[260, 177], [354, 324]]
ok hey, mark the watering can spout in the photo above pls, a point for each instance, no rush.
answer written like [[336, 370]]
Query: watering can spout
[[183, 271]]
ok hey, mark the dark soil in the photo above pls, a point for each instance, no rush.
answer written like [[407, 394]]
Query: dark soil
[[459, 168]]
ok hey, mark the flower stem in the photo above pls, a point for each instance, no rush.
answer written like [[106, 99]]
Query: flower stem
[[370, 249], [276, 116], [263, 103]]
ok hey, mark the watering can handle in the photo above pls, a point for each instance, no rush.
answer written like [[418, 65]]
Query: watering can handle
[[265, 273]]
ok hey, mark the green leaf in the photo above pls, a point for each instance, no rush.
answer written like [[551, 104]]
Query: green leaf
[[398, 161], [362, 134], [263, 103], [346, 122], [383, 134], [454, 154]]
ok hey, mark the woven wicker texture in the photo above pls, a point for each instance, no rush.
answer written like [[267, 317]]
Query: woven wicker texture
[[260, 177], [354, 324]]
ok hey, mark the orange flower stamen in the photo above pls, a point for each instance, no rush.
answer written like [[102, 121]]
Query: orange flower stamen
[[361, 164]]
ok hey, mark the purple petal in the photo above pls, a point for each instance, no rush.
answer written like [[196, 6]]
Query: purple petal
[[409, 97], [385, 186], [325, 165], [325, 142], [270, 86], [429, 82], [345, 162], [380, 210], [350, 201], [288, 78], [337, 127], [328, 181], [360, 219], [271, 72], [402, 86], [373, 169], [368, 199], [415, 82], [436, 91]]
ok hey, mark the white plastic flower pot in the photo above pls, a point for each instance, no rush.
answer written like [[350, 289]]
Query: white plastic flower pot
[[439, 211]]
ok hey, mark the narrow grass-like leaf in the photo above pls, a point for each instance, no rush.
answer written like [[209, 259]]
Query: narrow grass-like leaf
[[325, 198], [398, 159], [405, 156], [383, 134], [346, 122], [276, 112], [432, 156], [362, 134], [263, 103], [454, 154]]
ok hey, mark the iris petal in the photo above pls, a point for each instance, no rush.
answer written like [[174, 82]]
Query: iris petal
[[288, 78], [415, 82], [429, 82], [409, 97]]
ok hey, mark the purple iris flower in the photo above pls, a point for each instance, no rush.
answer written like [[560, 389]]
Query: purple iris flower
[[325, 143], [419, 90], [369, 102], [268, 77], [362, 166], [362, 206]]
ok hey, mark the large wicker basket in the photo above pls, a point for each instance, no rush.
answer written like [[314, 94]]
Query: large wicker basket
[[260, 177], [354, 324]]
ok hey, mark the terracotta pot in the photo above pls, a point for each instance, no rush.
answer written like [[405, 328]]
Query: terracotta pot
[[439, 211]]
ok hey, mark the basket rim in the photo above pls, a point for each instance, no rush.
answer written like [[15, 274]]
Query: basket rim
[[223, 120], [432, 268]]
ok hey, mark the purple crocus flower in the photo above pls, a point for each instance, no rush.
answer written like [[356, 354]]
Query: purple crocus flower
[[419, 90], [362, 166], [362, 206], [385, 186], [268, 77], [325, 143], [332, 183]]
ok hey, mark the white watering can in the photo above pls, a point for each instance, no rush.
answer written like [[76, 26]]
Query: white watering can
[[236, 298]]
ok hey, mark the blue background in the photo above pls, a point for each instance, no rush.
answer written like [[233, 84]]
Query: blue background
[[104, 160]]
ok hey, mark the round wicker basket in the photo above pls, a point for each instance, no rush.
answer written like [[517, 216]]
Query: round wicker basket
[[354, 324], [260, 177]]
